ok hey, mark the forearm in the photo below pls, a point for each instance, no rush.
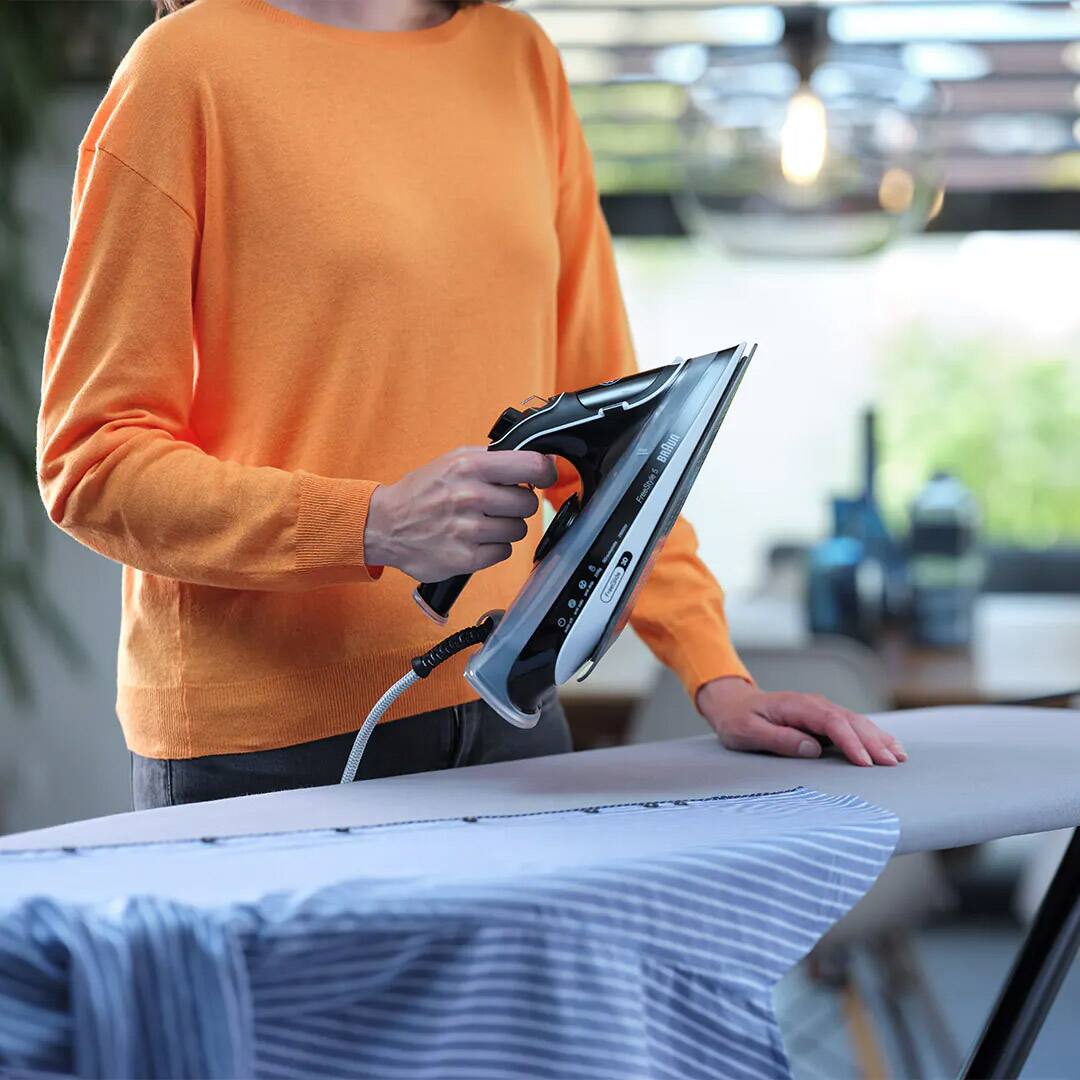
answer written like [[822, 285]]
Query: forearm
[[162, 505]]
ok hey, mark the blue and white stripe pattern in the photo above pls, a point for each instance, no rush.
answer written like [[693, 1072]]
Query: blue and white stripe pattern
[[617, 942]]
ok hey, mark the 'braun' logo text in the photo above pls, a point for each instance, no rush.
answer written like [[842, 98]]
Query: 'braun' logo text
[[667, 448]]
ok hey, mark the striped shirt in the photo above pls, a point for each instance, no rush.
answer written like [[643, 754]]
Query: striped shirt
[[619, 942]]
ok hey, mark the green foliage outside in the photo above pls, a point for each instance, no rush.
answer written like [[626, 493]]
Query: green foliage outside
[[1002, 416], [631, 130]]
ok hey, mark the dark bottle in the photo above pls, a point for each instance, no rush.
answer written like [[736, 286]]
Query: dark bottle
[[945, 566]]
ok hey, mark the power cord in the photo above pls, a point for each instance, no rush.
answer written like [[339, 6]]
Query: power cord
[[422, 667]]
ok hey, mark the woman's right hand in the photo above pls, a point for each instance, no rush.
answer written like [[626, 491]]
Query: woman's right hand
[[456, 514]]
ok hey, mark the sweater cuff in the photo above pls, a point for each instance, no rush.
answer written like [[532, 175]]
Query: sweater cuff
[[701, 652], [331, 517]]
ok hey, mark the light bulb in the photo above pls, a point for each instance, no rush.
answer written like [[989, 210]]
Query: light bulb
[[896, 192], [840, 165], [803, 139]]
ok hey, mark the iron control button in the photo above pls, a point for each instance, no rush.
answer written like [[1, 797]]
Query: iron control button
[[559, 524], [617, 574], [507, 419], [613, 584]]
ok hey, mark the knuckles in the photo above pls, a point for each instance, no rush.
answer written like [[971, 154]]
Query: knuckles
[[834, 725], [462, 461], [468, 499], [468, 531]]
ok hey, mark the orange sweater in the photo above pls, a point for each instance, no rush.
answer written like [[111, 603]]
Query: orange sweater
[[303, 261]]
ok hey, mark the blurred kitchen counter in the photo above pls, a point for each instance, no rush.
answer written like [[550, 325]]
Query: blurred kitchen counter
[[1025, 646]]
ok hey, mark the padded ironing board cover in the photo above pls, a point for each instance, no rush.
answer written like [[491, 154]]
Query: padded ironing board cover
[[637, 940]]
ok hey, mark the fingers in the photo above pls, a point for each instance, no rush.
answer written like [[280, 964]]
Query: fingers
[[499, 500], [516, 467], [815, 714], [881, 746], [498, 530], [490, 554], [843, 734], [754, 732], [873, 736]]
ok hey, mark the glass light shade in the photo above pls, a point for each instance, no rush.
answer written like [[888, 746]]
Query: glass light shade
[[839, 165]]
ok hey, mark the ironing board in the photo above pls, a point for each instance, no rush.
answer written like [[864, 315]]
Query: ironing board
[[974, 774]]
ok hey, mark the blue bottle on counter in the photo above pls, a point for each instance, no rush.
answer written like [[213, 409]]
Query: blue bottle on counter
[[945, 566], [855, 577], [844, 589]]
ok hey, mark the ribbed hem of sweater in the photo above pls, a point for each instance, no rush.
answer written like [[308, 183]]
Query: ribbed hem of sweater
[[331, 517], [238, 717]]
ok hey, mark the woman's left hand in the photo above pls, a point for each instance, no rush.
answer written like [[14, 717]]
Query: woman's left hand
[[747, 718]]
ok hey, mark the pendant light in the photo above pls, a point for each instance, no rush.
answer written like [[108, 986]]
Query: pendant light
[[808, 149]]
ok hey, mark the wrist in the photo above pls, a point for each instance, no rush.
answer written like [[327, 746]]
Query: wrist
[[377, 548], [719, 694]]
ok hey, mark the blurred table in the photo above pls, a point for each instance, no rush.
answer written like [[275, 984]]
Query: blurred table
[[1026, 646]]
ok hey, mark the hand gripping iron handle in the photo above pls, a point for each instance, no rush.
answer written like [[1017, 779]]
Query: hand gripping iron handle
[[577, 426], [436, 598]]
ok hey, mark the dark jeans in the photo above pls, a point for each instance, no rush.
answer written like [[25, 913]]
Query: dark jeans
[[469, 734]]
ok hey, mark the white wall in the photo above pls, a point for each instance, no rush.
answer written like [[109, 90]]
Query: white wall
[[791, 438]]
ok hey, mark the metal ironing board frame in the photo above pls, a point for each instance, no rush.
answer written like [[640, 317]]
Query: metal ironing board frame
[[1033, 983]]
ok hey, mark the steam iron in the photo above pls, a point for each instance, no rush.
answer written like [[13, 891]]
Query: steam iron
[[637, 444]]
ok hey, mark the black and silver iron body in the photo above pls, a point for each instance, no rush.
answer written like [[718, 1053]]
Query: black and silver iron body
[[637, 444]]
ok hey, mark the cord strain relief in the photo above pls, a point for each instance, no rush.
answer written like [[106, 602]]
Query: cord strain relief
[[472, 635]]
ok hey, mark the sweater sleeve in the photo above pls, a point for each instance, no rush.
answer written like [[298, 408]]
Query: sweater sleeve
[[679, 612], [119, 467]]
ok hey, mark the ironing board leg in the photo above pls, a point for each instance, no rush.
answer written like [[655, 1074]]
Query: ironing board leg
[[1044, 958]]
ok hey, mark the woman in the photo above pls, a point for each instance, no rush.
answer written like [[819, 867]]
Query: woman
[[316, 247]]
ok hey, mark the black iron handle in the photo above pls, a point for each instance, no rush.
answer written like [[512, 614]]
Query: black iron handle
[[436, 598]]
